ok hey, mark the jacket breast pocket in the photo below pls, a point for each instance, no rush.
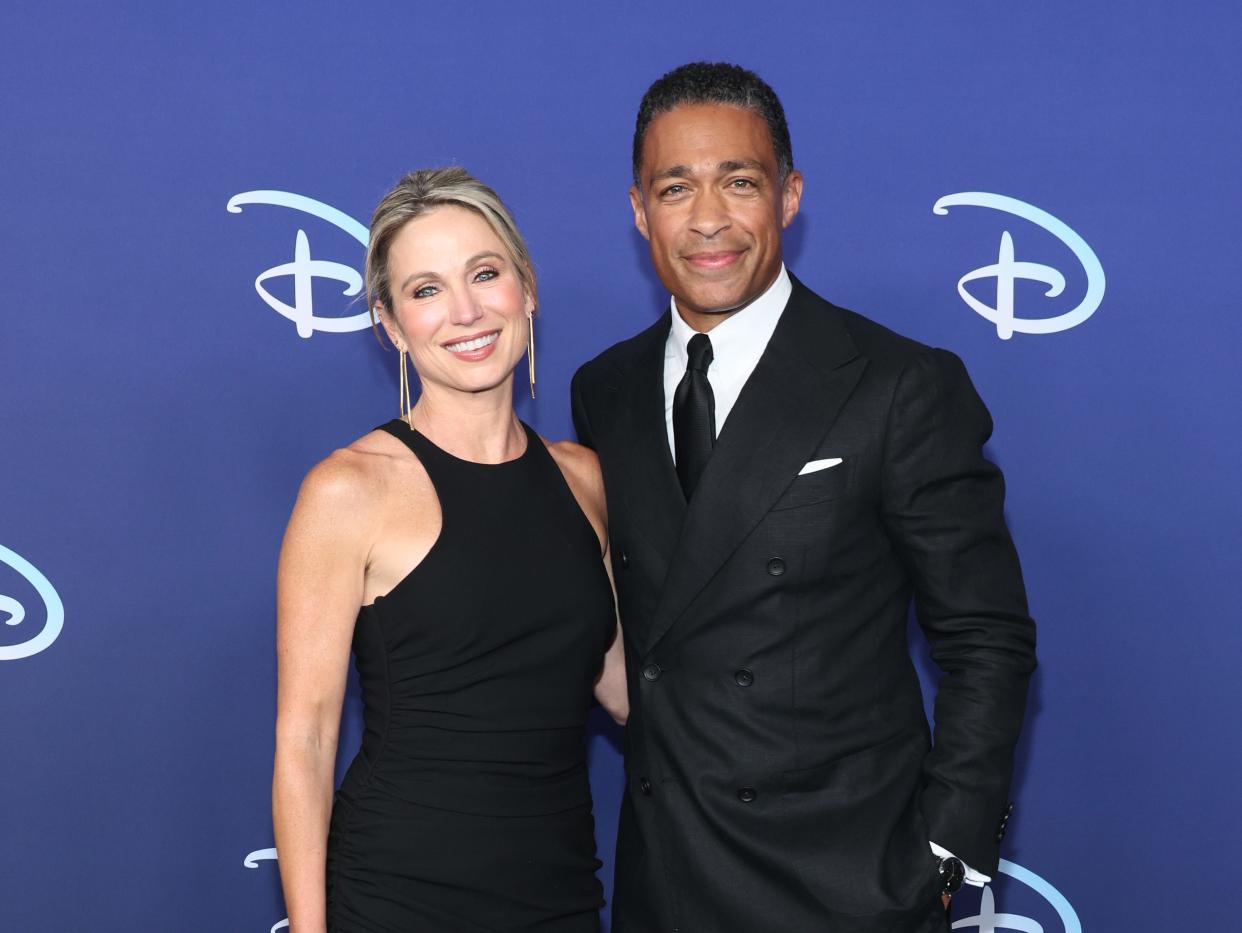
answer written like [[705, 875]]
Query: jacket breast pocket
[[820, 486]]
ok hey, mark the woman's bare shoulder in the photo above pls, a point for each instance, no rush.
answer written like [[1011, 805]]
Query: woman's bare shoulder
[[355, 478], [579, 463]]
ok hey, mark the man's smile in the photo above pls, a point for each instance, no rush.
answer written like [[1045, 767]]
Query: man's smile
[[711, 261]]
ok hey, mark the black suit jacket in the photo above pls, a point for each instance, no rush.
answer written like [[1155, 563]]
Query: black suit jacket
[[780, 773]]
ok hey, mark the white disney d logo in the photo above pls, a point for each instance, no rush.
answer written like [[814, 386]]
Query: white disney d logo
[[252, 860], [989, 921], [17, 612], [304, 269], [1006, 271]]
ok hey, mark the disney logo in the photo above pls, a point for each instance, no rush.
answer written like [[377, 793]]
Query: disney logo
[[252, 860], [989, 921], [1006, 270], [304, 270], [16, 612]]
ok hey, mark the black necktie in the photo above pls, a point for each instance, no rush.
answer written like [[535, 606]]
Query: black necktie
[[694, 415]]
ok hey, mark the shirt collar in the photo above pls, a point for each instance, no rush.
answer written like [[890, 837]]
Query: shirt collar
[[741, 333]]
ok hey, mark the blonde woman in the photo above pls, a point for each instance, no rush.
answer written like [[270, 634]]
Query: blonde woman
[[464, 560]]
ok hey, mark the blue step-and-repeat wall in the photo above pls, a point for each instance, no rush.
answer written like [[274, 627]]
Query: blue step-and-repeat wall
[[1049, 190]]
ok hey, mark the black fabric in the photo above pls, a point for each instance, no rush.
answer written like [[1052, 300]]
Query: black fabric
[[468, 808], [802, 795], [694, 415]]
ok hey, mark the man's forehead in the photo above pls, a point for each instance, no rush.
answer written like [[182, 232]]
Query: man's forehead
[[707, 137]]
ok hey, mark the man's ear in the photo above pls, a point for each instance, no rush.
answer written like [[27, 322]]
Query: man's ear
[[791, 197], [640, 212]]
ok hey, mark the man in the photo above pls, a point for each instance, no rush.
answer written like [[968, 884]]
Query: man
[[782, 477]]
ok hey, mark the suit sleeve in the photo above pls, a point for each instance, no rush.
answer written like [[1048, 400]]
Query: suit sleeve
[[943, 506], [582, 425]]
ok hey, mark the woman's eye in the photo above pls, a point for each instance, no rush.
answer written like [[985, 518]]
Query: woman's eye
[[426, 291], [486, 275]]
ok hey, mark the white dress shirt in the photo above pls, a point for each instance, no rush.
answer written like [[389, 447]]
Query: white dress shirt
[[737, 343]]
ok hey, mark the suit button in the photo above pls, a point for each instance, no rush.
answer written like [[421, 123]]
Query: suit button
[[644, 786], [776, 566], [652, 672], [745, 677], [625, 559], [746, 794]]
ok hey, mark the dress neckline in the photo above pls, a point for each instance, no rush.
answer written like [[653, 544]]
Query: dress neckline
[[531, 439]]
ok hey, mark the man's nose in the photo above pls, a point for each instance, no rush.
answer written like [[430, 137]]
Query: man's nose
[[710, 217]]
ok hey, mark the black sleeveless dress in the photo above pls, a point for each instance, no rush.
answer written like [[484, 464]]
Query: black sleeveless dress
[[467, 808]]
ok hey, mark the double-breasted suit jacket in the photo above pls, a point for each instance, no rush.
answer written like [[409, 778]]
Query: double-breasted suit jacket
[[780, 772]]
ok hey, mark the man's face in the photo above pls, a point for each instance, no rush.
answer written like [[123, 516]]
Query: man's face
[[712, 206]]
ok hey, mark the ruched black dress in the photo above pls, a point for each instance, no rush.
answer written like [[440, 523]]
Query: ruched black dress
[[467, 808]]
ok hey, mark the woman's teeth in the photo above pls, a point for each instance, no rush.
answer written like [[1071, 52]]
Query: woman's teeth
[[475, 344]]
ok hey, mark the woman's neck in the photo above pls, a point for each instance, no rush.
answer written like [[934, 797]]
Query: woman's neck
[[478, 426]]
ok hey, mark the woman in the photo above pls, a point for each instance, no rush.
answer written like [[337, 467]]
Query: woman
[[461, 556]]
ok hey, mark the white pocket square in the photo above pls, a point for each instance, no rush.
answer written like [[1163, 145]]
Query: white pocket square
[[815, 466]]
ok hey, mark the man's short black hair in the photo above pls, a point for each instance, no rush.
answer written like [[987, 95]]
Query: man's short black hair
[[715, 83]]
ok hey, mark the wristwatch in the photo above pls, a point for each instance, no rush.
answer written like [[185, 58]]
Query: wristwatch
[[952, 873]]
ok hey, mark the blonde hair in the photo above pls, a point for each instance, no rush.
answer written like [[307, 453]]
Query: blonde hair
[[421, 192]]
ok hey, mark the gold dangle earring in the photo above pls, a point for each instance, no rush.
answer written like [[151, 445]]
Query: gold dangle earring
[[530, 349], [403, 377]]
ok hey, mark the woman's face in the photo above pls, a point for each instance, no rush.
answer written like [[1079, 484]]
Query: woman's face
[[459, 306]]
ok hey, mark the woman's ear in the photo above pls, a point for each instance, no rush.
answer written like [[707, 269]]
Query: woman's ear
[[389, 323], [528, 287]]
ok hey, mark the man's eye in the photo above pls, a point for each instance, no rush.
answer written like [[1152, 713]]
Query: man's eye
[[672, 190], [741, 183]]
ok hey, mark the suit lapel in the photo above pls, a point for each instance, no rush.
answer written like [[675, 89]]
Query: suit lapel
[[805, 375], [653, 498]]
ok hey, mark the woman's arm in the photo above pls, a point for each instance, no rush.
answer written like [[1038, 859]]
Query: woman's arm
[[319, 590], [611, 689], [580, 466]]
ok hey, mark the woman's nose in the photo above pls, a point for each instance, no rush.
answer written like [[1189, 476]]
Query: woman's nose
[[464, 309]]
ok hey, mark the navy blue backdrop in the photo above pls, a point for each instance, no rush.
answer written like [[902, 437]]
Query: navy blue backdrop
[[159, 408]]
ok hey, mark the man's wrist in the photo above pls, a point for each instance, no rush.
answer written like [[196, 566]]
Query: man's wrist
[[952, 873], [970, 876]]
